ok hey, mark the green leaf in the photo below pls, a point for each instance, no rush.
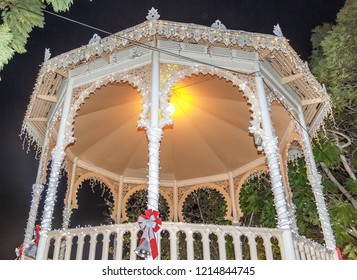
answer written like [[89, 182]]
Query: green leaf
[[60, 5], [326, 151], [352, 184], [6, 52], [21, 18]]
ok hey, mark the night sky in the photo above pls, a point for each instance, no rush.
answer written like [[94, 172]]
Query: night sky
[[18, 167]]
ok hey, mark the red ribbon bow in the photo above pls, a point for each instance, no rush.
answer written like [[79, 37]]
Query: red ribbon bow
[[150, 223]]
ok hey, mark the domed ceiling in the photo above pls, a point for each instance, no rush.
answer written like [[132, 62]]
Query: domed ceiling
[[209, 135]]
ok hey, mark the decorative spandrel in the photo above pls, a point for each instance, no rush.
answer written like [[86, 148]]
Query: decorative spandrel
[[224, 184]]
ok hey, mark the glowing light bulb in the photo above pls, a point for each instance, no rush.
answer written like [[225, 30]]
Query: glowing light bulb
[[171, 109]]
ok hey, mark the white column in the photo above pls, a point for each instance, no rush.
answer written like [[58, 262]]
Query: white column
[[154, 133], [36, 196], [270, 145], [67, 211], [290, 204], [232, 194], [175, 202], [315, 182], [58, 154], [37, 189], [120, 198]]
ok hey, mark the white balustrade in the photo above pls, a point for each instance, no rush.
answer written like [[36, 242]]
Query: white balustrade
[[233, 242], [306, 249]]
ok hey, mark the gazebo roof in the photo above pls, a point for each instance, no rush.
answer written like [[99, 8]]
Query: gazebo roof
[[208, 133]]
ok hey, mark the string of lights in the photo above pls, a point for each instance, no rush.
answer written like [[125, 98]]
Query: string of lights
[[154, 48]]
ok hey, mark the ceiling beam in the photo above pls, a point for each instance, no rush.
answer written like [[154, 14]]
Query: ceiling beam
[[62, 72], [311, 101], [291, 78], [37, 119], [106, 57], [264, 53], [50, 98]]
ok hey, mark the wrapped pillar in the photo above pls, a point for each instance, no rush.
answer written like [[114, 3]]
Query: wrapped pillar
[[154, 134], [315, 181], [58, 154], [270, 146]]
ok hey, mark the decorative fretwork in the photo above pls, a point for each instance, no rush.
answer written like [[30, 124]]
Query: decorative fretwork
[[175, 32], [168, 191], [224, 185]]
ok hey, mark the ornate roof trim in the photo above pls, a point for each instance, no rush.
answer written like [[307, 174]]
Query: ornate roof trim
[[191, 33]]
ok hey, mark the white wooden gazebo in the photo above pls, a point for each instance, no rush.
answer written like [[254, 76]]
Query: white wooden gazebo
[[106, 110]]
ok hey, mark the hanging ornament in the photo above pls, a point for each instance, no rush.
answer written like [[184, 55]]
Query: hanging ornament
[[149, 223], [339, 254], [18, 252], [31, 250]]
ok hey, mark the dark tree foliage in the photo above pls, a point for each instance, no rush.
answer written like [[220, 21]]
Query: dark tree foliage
[[137, 204], [306, 215], [334, 62], [257, 203], [205, 206]]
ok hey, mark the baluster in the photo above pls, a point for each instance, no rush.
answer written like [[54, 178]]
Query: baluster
[[281, 246], [302, 251], [133, 242], [319, 254], [222, 245], [297, 250], [68, 247], [205, 243], [173, 244], [62, 250], [189, 244], [47, 247], [312, 253], [267, 246], [307, 252], [80, 245], [93, 245], [119, 245], [57, 247], [252, 246], [106, 236], [237, 245]]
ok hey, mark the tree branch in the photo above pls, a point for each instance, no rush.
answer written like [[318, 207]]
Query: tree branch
[[335, 133], [352, 231], [346, 165], [340, 187]]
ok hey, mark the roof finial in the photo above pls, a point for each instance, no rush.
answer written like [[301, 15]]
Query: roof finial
[[277, 30], [153, 14], [218, 24], [47, 54], [95, 38]]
